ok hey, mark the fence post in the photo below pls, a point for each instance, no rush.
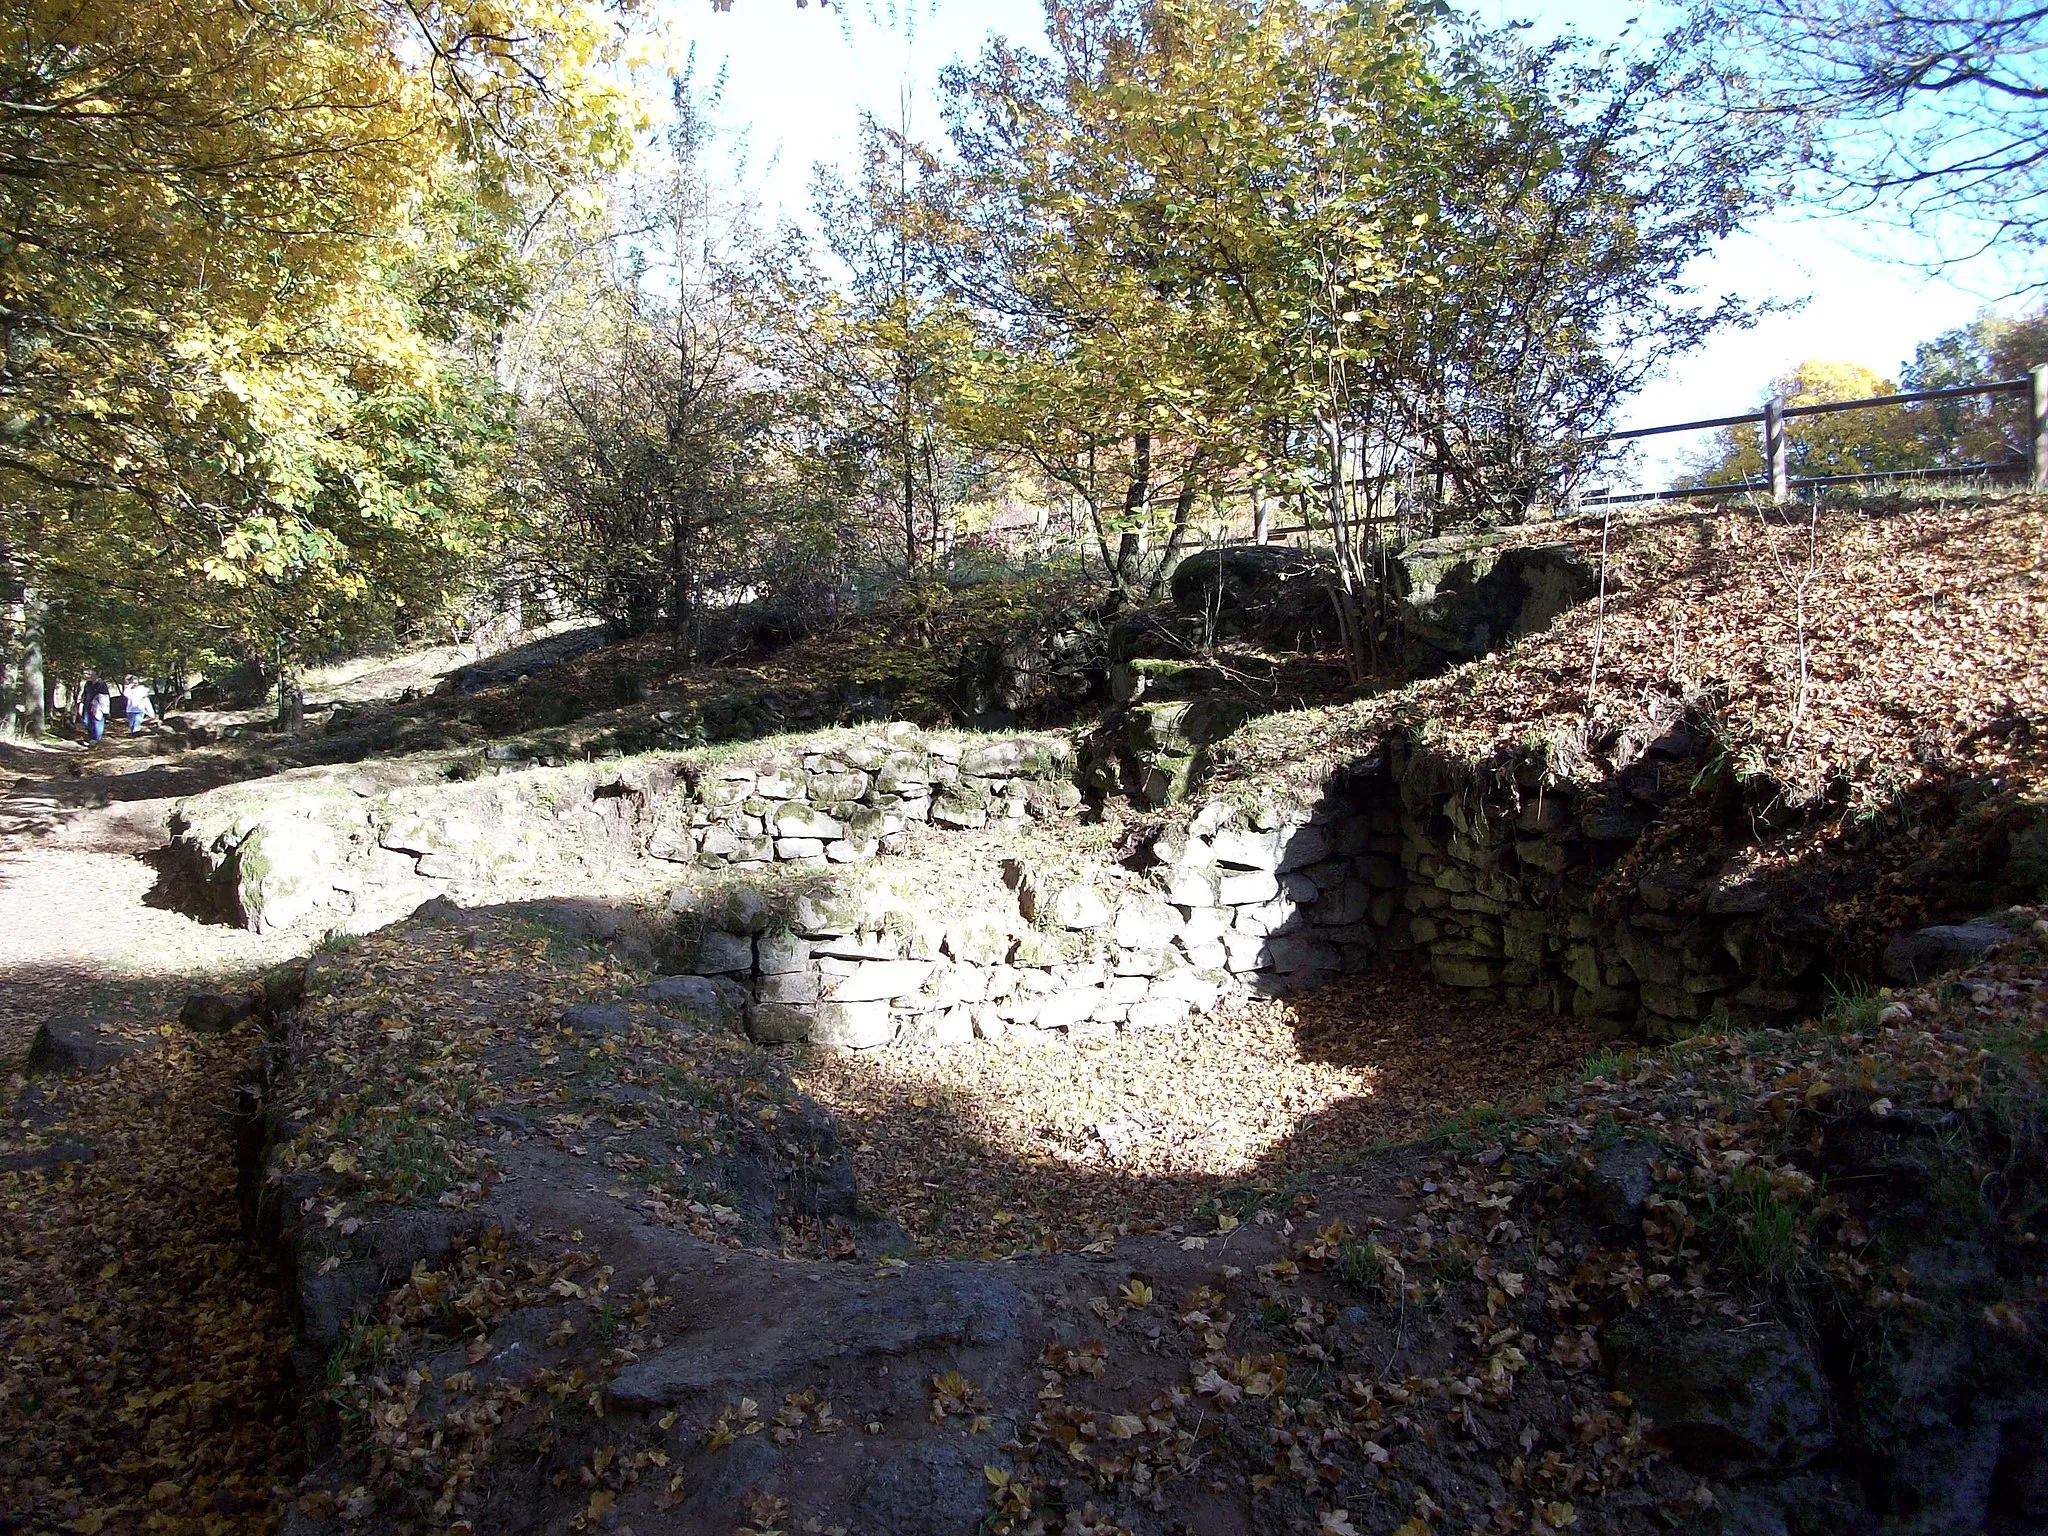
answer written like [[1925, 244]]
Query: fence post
[[2037, 436], [1774, 449]]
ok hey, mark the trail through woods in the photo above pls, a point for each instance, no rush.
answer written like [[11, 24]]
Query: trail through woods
[[141, 1339]]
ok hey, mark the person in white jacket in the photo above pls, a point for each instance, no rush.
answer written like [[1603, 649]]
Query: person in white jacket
[[136, 702]]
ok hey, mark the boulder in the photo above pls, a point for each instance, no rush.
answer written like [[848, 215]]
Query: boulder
[[597, 1019], [215, 1013], [711, 1001], [1749, 1397], [83, 1044], [1933, 951], [1269, 590], [1463, 597], [1620, 1182]]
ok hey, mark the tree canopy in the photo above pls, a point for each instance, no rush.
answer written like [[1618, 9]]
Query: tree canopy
[[248, 258]]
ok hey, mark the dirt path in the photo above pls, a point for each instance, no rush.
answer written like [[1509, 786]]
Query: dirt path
[[142, 1341], [80, 929]]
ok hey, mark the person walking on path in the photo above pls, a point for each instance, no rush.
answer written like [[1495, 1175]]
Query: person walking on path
[[136, 703], [92, 708]]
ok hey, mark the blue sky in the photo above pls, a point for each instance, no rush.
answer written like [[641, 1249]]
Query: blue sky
[[796, 80]]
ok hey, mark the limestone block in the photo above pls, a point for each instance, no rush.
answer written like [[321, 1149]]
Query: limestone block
[[794, 820], [753, 850], [903, 775], [977, 940], [1378, 871], [958, 983], [1198, 992], [1279, 915], [1081, 973], [1005, 759], [1545, 813], [858, 1026], [1063, 1009], [824, 913], [1582, 964], [788, 987], [799, 850], [1036, 949], [1382, 912], [1190, 885], [1204, 924], [1207, 955], [1475, 903], [1145, 922], [838, 786], [1302, 846], [677, 845], [1451, 879], [948, 813], [1541, 853], [1519, 942], [1299, 954], [716, 1002], [1099, 1028], [1079, 907], [947, 751], [1247, 888], [775, 785], [847, 851], [1245, 952], [1462, 970], [1140, 962], [1212, 818], [874, 980], [722, 954], [1018, 1008], [1002, 981], [1344, 907], [1595, 1002], [776, 954], [779, 1023], [858, 946], [1329, 874], [1128, 989], [1243, 849], [1354, 836], [941, 1029], [727, 789]]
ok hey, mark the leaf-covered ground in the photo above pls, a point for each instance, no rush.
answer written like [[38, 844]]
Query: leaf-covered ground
[[142, 1339], [987, 1150], [1924, 624]]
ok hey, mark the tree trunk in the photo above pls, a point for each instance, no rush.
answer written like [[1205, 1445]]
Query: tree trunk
[[34, 686]]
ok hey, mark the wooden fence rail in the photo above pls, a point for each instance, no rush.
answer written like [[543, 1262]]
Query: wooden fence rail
[[1776, 413]]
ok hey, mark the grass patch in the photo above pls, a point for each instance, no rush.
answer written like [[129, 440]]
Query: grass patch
[[1602, 1064], [1365, 1266], [1851, 1009], [1758, 1230]]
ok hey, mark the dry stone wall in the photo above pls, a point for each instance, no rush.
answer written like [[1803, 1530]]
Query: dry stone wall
[[353, 849], [1490, 875]]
